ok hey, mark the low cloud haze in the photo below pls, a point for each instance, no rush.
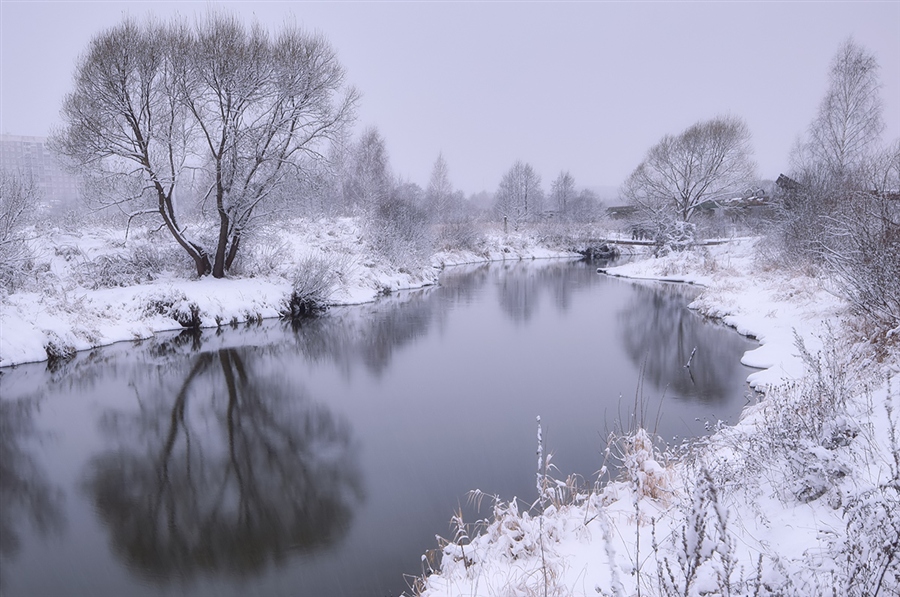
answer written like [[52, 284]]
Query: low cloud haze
[[586, 87]]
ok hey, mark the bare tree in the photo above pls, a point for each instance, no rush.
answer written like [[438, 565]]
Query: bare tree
[[519, 197], [439, 195], [838, 159], [709, 160], [839, 155], [396, 225], [368, 182], [155, 101], [18, 198], [848, 126], [585, 206], [451, 215], [562, 192], [124, 125], [841, 210]]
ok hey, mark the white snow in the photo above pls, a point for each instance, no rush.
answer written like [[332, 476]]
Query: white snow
[[68, 308], [759, 302], [773, 505]]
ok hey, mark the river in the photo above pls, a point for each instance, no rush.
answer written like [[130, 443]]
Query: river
[[321, 458]]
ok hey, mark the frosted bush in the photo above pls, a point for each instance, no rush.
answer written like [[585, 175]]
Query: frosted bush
[[400, 231], [698, 558], [138, 263], [175, 305], [460, 233], [641, 467], [313, 281], [265, 253], [18, 197]]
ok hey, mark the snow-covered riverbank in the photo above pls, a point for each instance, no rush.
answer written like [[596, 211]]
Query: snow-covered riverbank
[[94, 288], [801, 497]]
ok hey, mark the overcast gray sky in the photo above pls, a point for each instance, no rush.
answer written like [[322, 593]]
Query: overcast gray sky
[[586, 86]]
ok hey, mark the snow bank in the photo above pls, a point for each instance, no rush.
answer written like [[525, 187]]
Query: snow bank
[[89, 289], [764, 304]]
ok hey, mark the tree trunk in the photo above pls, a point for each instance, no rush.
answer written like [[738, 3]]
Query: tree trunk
[[201, 262], [219, 265], [232, 250], [201, 259]]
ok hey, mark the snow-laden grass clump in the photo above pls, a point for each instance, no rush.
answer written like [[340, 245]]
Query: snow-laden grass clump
[[801, 497]]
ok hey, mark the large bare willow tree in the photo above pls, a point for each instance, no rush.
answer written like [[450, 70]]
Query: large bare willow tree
[[709, 160], [160, 108]]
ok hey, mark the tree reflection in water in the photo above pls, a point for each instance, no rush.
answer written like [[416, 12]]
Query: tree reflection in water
[[25, 494], [518, 294], [368, 334], [225, 471], [520, 284], [372, 334], [658, 335]]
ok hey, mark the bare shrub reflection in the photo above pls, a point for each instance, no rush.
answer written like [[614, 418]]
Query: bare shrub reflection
[[225, 471], [26, 496]]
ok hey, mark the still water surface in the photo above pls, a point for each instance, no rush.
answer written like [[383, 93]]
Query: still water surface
[[321, 459]]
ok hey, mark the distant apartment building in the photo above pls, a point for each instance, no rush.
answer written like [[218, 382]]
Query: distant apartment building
[[30, 157]]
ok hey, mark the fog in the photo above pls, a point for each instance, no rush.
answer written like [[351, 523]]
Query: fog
[[586, 87]]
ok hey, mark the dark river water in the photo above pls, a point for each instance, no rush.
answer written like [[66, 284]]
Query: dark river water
[[322, 458]]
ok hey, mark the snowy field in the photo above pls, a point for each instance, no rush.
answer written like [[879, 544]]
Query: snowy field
[[801, 497], [96, 287]]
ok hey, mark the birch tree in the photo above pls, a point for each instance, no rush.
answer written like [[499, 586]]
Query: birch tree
[[369, 180], [439, 194], [847, 130], [845, 214]]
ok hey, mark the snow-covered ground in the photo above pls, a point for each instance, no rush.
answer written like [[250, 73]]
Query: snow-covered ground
[[801, 497], [96, 287]]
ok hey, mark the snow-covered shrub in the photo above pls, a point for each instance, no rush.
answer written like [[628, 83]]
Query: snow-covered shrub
[[264, 253], [313, 280], [400, 231], [140, 261], [174, 304], [18, 198], [803, 423], [16, 265], [459, 233], [870, 548], [869, 551], [58, 350], [674, 235], [698, 558], [642, 465], [865, 253]]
